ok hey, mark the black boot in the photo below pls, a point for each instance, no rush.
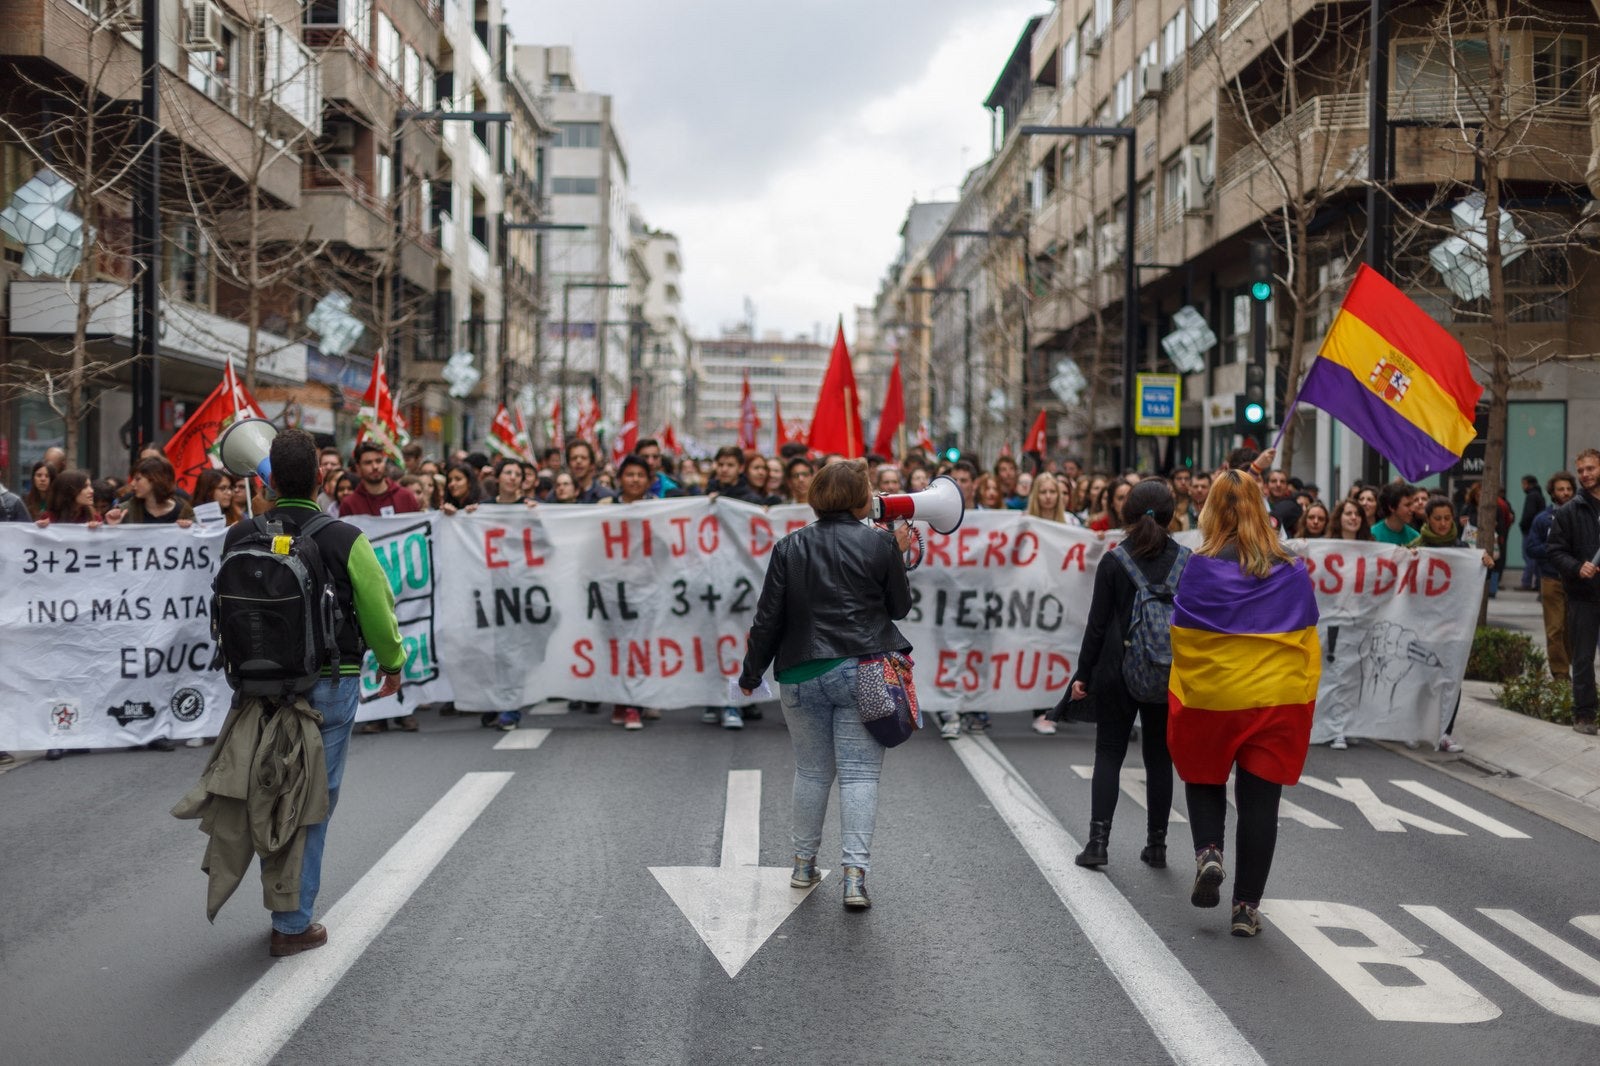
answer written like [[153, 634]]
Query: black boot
[[1154, 854], [1094, 852]]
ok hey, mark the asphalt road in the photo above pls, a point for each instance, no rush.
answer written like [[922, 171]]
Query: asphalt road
[[1416, 923]]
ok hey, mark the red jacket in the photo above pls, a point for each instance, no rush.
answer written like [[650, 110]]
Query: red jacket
[[396, 497]]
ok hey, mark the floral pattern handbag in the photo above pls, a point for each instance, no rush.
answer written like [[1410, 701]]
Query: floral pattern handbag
[[886, 698]]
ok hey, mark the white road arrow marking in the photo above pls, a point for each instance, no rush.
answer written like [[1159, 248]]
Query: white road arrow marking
[[737, 906]]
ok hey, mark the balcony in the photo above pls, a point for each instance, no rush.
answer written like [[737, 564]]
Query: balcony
[[477, 259], [478, 161], [191, 334]]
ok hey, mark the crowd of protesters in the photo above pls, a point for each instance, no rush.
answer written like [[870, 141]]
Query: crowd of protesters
[[367, 482]]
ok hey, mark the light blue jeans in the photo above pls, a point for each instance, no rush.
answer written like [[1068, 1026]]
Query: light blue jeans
[[829, 739], [337, 699]]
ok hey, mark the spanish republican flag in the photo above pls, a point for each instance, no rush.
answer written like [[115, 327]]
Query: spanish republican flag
[[1395, 377], [1245, 668]]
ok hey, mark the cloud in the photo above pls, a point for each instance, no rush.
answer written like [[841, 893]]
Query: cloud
[[783, 147]]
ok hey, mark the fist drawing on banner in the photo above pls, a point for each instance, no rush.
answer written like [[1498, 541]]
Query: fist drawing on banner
[[1388, 651]]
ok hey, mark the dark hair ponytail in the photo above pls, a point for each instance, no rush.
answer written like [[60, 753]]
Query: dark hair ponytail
[[1146, 512]]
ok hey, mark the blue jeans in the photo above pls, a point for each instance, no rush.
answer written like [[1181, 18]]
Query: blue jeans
[[337, 699], [829, 738]]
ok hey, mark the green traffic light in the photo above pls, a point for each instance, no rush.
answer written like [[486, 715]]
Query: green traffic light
[[1254, 413], [952, 455], [1261, 290]]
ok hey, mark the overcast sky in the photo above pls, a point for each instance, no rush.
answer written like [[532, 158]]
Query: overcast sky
[[783, 140]]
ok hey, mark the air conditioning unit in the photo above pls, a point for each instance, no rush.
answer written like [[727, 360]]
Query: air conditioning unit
[[343, 164], [202, 31], [1148, 83], [122, 15], [342, 138], [1196, 190], [1204, 158], [1082, 262], [1092, 45], [1111, 246]]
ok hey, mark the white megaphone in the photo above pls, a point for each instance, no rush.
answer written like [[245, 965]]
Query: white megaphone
[[246, 448], [940, 505]]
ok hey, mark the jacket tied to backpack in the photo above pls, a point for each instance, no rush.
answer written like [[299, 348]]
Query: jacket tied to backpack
[[265, 783]]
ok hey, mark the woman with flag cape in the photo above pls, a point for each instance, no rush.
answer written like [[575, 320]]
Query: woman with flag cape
[[1243, 688]]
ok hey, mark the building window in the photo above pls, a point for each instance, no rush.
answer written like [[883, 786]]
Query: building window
[[1203, 16], [1069, 62], [574, 186], [1172, 180], [1172, 41], [577, 135], [1122, 102], [389, 49], [1102, 17], [189, 273], [1557, 68]]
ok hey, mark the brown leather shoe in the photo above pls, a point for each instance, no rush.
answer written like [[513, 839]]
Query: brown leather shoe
[[315, 935], [408, 724]]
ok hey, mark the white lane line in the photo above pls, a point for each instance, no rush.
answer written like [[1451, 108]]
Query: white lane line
[[522, 740], [1133, 781], [1461, 810], [263, 1020], [1183, 1016]]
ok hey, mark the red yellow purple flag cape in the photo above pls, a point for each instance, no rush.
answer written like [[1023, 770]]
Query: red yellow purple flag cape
[[1245, 668]]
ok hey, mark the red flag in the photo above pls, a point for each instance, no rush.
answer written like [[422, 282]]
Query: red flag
[[503, 435], [1037, 440], [558, 432], [192, 448], [780, 432], [627, 439], [894, 412], [924, 441], [588, 418], [668, 439], [377, 419], [836, 424], [749, 421]]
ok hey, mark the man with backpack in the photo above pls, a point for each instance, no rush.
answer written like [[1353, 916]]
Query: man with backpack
[[361, 615]]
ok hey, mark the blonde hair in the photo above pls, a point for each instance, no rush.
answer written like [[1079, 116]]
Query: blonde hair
[[1036, 509], [1236, 514], [841, 486]]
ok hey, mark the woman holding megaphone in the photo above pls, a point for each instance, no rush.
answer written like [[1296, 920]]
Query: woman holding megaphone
[[832, 594]]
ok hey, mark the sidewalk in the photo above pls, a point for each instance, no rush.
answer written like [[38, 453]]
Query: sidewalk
[[1541, 766]]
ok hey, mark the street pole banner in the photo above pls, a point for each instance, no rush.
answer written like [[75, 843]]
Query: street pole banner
[[105, 633]]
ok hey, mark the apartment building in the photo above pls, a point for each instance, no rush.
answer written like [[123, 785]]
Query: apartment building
[[789, 369], [524, 353], [1222, 160], [232, 77], [904, 311], [666, 369], [592, 320]]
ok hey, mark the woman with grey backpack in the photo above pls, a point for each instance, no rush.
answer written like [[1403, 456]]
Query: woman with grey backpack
[[1124, 663]]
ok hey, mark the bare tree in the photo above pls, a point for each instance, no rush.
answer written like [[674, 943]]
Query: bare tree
[[255, 243], [83, 128], [1490, 134], [1301, 113]]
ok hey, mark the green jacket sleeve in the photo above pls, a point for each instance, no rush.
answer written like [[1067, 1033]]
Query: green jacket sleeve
[[375, 606]]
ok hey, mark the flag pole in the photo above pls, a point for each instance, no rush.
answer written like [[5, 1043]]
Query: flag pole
[[1284, 424]]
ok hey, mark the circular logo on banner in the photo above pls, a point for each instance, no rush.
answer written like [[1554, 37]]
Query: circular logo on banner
[[63, 718], [188, 704]]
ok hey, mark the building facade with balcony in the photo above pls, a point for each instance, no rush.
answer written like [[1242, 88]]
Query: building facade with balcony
[[1225, 155], [241, 102], [590, 330], [664, 373]]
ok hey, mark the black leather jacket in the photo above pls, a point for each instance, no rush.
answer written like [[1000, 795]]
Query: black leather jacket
[[833, 591], [1574, 539]]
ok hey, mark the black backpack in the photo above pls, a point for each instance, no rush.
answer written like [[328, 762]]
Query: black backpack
[[274, 610]]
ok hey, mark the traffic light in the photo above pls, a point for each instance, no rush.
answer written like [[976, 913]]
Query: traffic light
[[1260, 271], [950, 451], [1253, 412]]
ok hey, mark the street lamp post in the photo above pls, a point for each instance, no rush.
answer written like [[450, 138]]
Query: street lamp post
[[1130, 273], [566, 329], [966, 352], [396, 280]]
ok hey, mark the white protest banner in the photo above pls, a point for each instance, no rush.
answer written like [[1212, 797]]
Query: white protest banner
[[405, 551], [1396, 628], [105, 636]]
